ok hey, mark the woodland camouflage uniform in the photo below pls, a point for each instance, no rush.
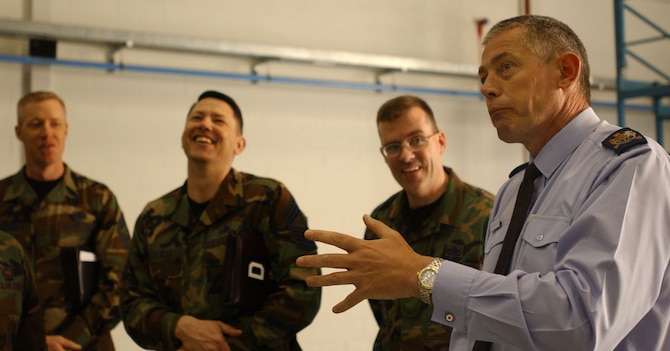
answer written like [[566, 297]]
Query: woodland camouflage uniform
[[77, 212], [177, 264], [21, 319], [454, 231]]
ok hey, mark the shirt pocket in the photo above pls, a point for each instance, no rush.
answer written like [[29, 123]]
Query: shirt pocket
[[214, 264], [496, 235], [166, 275], [75, 228], [493, 244], [540, 242]]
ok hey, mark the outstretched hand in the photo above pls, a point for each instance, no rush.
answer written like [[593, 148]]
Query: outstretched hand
[[382, 269]]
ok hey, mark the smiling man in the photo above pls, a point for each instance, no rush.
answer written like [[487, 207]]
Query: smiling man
[[438, 214], [189, 245], [59, 216]]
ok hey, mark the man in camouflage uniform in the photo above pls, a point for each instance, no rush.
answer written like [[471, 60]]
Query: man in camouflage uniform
[[438, 214], [175, 273], [21, 319], [50, 209]]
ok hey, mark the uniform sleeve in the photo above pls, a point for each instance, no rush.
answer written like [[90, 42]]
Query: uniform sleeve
[[147, 320], [608, 258], [30, 335], [112, 244], [379, 308], [294, 305]]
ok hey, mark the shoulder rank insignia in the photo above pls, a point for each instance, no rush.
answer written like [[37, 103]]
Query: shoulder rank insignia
[[623, 139]]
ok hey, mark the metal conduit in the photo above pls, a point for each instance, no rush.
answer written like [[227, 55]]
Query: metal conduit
[[269, 79], [118, 39]]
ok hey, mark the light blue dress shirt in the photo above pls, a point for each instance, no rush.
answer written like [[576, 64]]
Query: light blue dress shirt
[[590, 270]]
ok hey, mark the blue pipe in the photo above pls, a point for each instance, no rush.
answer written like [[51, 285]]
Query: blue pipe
[[257, 78]]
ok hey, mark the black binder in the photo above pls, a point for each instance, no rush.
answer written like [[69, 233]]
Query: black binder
[[80, 270], [247, 279]]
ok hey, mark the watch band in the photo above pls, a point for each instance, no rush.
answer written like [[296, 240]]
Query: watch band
[[425, 293]]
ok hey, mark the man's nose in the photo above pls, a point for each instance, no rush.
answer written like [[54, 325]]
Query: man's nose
[[406, 153], [205, 123], [46, 129], [489, 88]]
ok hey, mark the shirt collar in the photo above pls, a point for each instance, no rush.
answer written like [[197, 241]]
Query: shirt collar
[[21, 190], [447, 209], [561, 145]]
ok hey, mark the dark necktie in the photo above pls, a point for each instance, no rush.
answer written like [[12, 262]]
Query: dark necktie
[[523, 199]]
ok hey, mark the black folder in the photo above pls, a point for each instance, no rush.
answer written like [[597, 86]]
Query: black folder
[[247, 279], [80, 271]]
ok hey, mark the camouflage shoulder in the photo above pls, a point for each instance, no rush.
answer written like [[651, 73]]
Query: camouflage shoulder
[[84, 181], [9, 179], [12, 184], [167, 203], [386, 205], [13, 260], [252, 180], [91, 189], [479, 192], [623, 140]]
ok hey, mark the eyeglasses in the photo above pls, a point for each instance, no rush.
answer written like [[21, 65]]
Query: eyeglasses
[[414, 143]]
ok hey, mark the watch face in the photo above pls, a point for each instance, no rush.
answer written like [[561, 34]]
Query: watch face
[[428, 278]]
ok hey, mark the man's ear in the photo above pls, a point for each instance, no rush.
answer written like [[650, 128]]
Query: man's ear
[[241, 144], [442, 140], [570, 66]]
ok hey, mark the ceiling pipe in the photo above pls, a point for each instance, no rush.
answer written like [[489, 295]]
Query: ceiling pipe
[[117, 39], [111, 66], [179, 43]]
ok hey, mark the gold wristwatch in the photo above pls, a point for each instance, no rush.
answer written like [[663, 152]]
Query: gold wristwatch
[[426, 278]]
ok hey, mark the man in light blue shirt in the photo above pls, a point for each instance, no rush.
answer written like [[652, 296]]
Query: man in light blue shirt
[[590, 270]]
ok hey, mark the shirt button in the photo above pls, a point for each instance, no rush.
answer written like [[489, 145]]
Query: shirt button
[[539, 237], [449, 317]]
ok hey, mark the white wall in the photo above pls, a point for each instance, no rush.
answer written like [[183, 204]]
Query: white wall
[[321, 142]]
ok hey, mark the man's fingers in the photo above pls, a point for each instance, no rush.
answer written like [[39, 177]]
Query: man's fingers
[[229, 330], [343, 241], [337, 278], [350, 301], [58, 343], [378, 227], [362, 264], [323, 261]]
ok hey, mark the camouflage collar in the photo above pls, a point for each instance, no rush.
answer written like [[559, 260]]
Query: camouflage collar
[[224, 201], [450, 202], [20, 189]]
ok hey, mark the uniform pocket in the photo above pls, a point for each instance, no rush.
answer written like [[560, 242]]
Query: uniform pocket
[[75, 228], [496, 236], [166, 274], [540, 241]]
